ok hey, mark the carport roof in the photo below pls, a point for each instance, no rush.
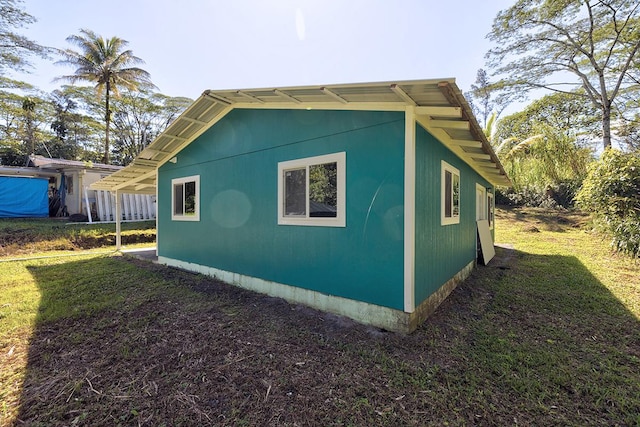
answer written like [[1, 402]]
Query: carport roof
[[438, 104]]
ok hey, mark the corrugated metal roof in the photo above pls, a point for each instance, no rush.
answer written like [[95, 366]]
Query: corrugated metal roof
[[50, 163], [454, 125]]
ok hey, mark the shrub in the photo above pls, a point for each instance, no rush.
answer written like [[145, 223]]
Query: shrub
[[611, 193]]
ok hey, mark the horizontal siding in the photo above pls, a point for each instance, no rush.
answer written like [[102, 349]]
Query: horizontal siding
[[237, 162]]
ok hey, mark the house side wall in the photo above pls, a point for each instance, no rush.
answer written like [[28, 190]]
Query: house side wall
[[442, 251], [237, 161]]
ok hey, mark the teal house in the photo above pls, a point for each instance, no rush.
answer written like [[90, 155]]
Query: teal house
[[362, 200]]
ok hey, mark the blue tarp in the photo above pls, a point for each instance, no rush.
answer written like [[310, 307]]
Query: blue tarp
[[22, 197]]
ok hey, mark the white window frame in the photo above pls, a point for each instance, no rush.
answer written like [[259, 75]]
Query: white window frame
[[340, 219], [491, 209], [182, 181], [482, 209], [453, 219]]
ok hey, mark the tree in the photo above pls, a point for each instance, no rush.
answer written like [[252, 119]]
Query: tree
[[547, 158], [105, 63], [64, 120], [565, 113], [485, 100], [546, 149], [15, 48], [83, 121], [628, 128], [29, 107], [11, 146], [630, 133], [139, 118], [593, 44], [21, 127]]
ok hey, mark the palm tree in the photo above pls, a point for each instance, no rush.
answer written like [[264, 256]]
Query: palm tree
[[105, 63]]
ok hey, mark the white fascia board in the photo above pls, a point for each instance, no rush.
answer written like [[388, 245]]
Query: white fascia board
[[356, 106], [195, 136], [444, 138], [134, 180]]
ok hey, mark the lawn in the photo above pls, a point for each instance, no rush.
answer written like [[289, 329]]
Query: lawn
[[547, 334], [22, 237]]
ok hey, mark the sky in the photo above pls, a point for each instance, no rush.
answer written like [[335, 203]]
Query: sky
[[192, 45]]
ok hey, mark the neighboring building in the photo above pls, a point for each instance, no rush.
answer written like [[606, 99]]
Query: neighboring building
[[357, 199], [78, 175], [59, 187]]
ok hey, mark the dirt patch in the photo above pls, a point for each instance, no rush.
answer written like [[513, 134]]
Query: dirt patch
[[532, 219], [20, 242], [226, 356], [530, 229], [89, 242]]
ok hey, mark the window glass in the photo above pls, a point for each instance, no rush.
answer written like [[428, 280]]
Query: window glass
[[311, 191], [447, 194], [455, 195], [323, 190], [185, 198], [295, 201], [450, 195], [178, 199], [190, 198]]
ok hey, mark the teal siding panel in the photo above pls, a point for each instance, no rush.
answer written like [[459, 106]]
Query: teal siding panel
[[237, 160], [441, 250]]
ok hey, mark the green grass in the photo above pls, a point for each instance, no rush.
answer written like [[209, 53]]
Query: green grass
[[20, 237], [547, 334]]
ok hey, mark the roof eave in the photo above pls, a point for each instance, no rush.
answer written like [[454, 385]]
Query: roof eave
[[212, 106]]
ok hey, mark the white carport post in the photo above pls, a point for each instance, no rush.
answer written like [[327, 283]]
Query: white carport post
[[118, 219]]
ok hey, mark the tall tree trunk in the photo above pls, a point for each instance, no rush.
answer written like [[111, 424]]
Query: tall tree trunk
[[107, 119], [606, 125]]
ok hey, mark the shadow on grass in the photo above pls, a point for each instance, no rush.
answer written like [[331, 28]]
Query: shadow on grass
[[529, 339]]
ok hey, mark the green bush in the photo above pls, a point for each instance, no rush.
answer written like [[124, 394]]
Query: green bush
[[611, 193]]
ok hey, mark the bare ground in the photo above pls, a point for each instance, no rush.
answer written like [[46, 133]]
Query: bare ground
[[234, 357]]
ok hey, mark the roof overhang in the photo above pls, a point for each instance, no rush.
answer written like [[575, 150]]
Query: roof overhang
[[438, 104], [27, 172], [71, 165]]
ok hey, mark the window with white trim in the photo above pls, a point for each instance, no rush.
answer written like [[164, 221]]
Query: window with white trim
[[185, 198], [450, 194], [311, 191]]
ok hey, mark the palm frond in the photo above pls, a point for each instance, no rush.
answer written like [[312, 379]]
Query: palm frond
[[506, 143], [524, 145], [107, 64]]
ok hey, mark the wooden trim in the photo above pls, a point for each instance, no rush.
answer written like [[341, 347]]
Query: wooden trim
[[251, 97], [334, 95], [453, 112], [351, 106], [286, 96], [450, 124], [465, 143], [403, 95], [409, 209]]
